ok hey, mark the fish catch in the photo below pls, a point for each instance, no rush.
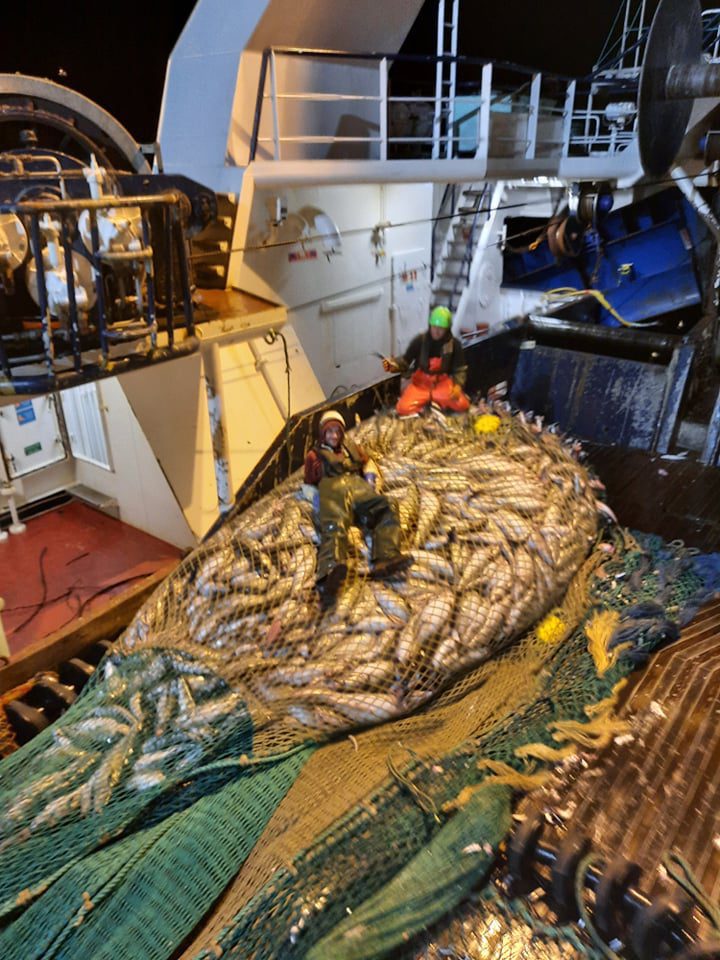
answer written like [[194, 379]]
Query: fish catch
[[496, 522]]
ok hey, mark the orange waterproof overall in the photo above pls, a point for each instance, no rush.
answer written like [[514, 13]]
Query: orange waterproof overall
[[425, 388]]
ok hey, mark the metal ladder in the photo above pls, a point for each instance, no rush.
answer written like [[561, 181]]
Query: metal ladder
[[445, 79], [459, 247]]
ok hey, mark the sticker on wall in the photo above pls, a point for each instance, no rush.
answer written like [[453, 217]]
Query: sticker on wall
[[409, 278], [25, 412], [302, 255]]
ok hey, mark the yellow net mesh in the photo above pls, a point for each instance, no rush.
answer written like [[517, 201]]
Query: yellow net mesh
[[347, 772]]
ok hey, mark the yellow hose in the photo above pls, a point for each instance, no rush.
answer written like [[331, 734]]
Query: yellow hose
[[562, 293]]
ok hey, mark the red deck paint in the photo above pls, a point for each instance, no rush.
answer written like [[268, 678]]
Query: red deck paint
[[86, 557]]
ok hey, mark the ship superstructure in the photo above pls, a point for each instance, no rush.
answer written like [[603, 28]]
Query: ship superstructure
[[175, 319], [320, 196]]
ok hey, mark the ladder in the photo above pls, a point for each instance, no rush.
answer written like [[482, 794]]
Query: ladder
[[460, 244], [445, 80]]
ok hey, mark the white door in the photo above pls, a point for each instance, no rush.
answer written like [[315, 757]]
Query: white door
[[410, 297], [30, 435]]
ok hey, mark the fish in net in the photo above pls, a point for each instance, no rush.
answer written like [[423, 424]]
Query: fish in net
[[497, 519]]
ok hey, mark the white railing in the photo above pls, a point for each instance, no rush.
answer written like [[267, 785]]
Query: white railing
[[711, 33], [494, 111], [501, 111]]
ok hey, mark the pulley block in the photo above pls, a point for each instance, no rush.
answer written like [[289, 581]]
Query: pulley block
[[653, 925], [609, 909], [75, 673], [51, 697], [26, 721]]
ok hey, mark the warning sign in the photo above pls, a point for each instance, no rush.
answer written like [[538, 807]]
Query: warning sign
[[25, 412]]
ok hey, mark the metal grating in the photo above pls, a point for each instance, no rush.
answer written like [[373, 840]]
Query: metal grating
[[658, 790]]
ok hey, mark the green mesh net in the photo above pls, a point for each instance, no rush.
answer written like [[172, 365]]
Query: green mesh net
[[366, 884], [342, 776], [145, 891]]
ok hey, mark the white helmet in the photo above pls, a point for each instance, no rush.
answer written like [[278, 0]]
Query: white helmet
[[331, 416]]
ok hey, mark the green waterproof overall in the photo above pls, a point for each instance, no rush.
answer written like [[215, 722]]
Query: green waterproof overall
[[346, 499]]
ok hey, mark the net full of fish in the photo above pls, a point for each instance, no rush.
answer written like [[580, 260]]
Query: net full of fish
[[235, 643], [497, 524], [149, 719]]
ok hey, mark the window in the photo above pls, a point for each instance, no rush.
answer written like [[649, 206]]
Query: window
[[85, 427]]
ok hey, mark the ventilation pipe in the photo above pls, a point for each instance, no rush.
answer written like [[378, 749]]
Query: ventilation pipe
[[212, 365], [7, 492]]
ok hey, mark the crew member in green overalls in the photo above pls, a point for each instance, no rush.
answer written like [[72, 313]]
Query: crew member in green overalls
[[345, 479]]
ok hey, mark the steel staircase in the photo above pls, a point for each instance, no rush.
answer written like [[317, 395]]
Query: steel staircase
[[458, 249], [211, 247]]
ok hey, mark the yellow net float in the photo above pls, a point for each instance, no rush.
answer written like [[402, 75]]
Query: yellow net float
[[486, 423], [551, 629]]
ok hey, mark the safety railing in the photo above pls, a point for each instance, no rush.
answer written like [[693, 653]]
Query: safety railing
[[441, 224], [89, 285], [711, 33], [360, 107], [389, 106], [625, 42], [460, 279]]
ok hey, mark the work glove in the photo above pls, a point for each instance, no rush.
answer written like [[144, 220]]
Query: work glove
[[498, 391], [390, 365]]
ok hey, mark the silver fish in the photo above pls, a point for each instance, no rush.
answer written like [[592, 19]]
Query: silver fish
[[317, 717], [146, 780], [391, 604], [435, 562], [377, 673], [360, 707]]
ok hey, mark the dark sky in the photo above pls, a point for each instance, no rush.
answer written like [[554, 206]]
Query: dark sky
[[114, 53], [563, 36], [117, 53]]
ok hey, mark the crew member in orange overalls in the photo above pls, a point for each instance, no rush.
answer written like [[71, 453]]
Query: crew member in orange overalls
[[439, 371]]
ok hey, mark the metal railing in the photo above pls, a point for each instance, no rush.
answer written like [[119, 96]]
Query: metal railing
[[116, 329], [518, 111], [711, 33], [442, 224], [460, 279], [624, 45]]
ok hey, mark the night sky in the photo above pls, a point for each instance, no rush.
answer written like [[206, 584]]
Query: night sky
[[116, 54], [555, 35]]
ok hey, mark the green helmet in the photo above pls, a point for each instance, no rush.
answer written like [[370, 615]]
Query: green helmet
[[440, 317]]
